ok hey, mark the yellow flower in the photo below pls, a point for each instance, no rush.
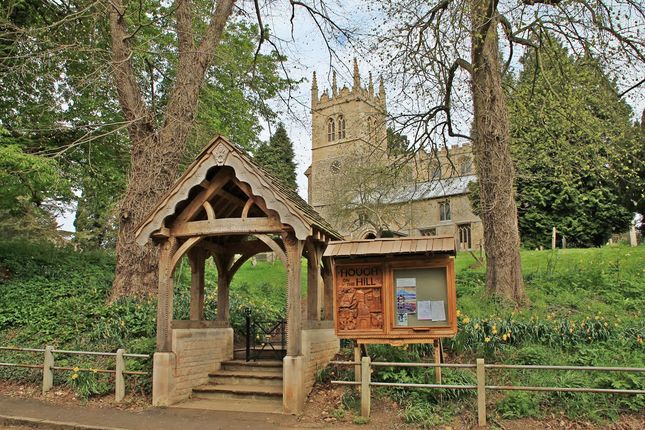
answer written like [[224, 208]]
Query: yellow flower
[[597, 317], [504, 337], [487, 339], [606, 324], [74, 375], [494, 330], [458, 313], [76, 369], [466, 320], [93, 370], [570, 330], [477, 326]]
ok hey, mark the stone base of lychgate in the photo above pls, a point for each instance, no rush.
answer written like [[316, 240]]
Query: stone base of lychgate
[[196, 352]]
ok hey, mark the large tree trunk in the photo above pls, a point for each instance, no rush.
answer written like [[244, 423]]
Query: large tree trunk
[[156, 151], [493, 158]]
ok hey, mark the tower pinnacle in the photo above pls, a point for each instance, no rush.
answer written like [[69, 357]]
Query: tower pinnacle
[[370, 86], [334, 87], [381, 91], [357, 77], [314, 90]]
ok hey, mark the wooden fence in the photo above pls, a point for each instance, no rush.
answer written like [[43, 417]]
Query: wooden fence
[[364, 367], [48, 367]]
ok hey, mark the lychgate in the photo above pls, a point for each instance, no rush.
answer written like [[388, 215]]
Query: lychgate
[[226, 207]]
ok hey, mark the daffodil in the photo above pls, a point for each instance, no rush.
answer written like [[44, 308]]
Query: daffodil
[[76, 369], [487, 339], [466, 320], [504, 337], [458, 313], [74, 375], [477, 326]]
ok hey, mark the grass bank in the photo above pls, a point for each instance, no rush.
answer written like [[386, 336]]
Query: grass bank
[[585, 308]]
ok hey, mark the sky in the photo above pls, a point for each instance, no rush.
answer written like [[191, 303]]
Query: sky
[[307, 51]]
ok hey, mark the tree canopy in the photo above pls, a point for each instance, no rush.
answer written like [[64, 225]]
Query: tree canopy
[[277, 157], [572, 141]]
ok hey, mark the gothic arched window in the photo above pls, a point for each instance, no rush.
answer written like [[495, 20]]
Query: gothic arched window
[[331, 130], [341, 127]]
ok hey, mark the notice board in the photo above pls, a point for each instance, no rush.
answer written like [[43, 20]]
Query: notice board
[[395, 300]]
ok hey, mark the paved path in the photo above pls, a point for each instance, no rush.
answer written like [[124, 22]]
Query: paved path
[[80, 417]]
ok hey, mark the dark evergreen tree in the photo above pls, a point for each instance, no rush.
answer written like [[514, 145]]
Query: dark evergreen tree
[[277, 157], [572, 139]]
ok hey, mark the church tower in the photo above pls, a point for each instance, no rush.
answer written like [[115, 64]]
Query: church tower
[[344, 120]]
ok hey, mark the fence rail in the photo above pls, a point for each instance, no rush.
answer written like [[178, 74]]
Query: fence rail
[[48, 367], [363, 370]]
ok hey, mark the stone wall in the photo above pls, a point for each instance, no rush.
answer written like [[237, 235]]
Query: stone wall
[[195, 353], [319, 346]]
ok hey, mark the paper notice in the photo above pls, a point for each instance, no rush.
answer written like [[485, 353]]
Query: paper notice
[[437, 311], [406, 282], [424, 310], [402, 320]]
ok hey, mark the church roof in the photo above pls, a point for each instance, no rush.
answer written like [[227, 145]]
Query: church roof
[[433, 189], [291, 208]]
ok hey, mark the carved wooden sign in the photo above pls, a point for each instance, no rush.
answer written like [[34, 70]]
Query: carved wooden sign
[[359, 293]]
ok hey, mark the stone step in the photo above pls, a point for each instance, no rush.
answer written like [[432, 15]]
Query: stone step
[[232, 377], [261, 353], [238, 392], [266, 406], [253, 366]]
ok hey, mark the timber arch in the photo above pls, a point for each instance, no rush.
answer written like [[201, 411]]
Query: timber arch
[[225, 207]]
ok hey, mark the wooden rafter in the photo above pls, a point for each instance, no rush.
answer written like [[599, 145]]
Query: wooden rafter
[[275, 247], [220, 179], [210, 212], [185, 247], [247, 207]]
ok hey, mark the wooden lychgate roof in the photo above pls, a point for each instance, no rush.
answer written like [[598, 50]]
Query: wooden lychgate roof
[[246, 178], [392, 246]]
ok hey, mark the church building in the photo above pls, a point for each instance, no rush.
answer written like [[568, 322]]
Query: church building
[[432, 199]]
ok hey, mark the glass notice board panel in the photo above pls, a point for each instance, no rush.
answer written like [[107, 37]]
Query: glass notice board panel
[[420, 297]]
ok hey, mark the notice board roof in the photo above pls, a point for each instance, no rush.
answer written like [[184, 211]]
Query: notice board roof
[[392, 246]]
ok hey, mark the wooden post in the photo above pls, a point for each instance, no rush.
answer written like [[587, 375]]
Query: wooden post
[[294, 308], [365, 386], [357, 359], [197, 263], [48, 375], [119, 380], [437, 360], [313, 274], [481, 392], [223, 262], [553, 238], [222, 296], [328, 289], [165, 296]]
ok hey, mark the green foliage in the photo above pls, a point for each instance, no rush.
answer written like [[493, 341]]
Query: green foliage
[[359, 420], [32, 190], [59, 104], [277, 157], [519, 404], [572, 140]]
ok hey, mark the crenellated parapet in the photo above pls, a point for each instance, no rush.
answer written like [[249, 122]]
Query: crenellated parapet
[[356, 92]]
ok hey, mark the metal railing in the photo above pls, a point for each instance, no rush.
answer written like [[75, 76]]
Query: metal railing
[[364, 367], [48, 366]]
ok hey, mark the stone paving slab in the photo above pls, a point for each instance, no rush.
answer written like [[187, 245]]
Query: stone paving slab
[[38, 414]]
